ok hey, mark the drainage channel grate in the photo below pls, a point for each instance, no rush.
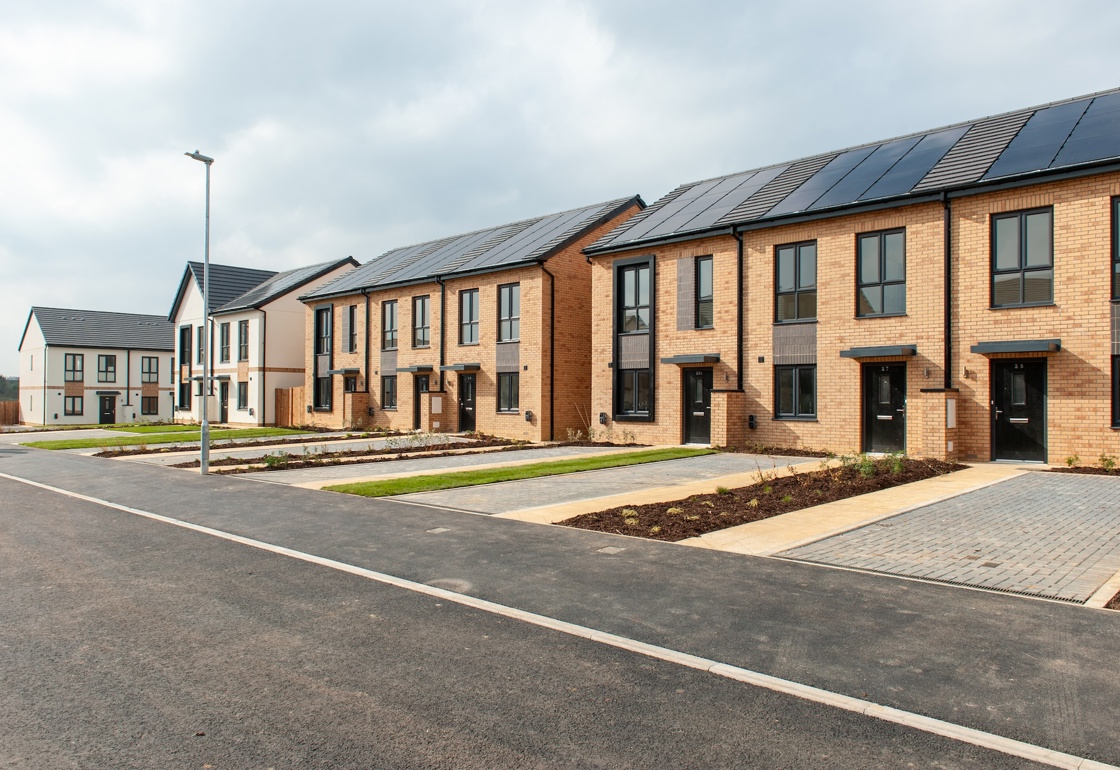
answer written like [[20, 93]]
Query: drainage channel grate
[[960, 583]]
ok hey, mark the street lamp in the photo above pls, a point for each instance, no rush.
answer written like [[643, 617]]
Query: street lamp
[[204, 455]]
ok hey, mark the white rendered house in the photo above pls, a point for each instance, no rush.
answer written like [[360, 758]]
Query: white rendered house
[[256, 343], [80, 367]]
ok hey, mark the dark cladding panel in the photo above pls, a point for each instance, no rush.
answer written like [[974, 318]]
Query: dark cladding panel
[[915, 164], [1039, 141], [1097, 136]]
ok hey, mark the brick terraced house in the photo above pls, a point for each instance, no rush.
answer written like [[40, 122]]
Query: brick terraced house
[[486, 331], [951, 293], [79, 367], [256, 338]]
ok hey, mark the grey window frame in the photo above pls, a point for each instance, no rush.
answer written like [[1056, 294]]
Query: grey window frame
[[242, 395], [882, 283], [389, 331], [73, 406], [352, 337], [797, 292], [106, 367], [1023, 269], [201, 342], [389, 392], [146, 405], [74, 367], [705, 299], [625, 375], [796, 413], [243, 340], [1115, 203], [509, 392], [469, 322], [223, 342], [509, 312], [323, 387], [149, 369], [625, 310], [422, 321]]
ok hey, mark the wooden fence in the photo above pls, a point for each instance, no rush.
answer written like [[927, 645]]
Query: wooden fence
[[9, 412], [289, 407]]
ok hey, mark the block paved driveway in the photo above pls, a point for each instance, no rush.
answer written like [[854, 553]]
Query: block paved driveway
[[1041, 534]]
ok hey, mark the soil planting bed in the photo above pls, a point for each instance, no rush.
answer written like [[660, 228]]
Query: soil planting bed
[[1088, 470], [771, 496], [227, 443]]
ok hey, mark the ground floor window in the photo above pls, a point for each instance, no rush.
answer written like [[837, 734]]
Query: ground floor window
[[242, 395], [389, 392], [350, 385], [635, 392], [796, 388], [73, 405], [149, 405], [323, 393], [1116, 391], [508, 386]]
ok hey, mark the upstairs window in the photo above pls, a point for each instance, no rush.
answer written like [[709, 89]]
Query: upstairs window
[[74, 367], [509, 312], [242, 340], [1116, 248], [223, 343], [352, 324], [635, 305], [106, 368], [1023, 258], [421, 322], [201, 342], [389, 325], [149, 369], [796, 284], [881, 273], [468, 317], [705, 309], [323, 331]]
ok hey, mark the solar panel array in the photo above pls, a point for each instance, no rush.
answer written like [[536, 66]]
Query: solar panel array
[[1049, 138], [508, 245]]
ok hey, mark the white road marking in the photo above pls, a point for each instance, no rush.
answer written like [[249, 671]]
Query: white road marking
[[805, 692]]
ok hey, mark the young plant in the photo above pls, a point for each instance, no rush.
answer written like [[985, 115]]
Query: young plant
[[1107, 461], [1073, 461]]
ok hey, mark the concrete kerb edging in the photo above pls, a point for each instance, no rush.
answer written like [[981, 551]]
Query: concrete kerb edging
[[805, 692], [1104, 594]]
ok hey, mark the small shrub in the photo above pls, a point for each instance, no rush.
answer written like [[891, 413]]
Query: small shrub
[[691, 518], [674, 511], [787, 498], [629, 512], [866, 466], [1073, 461], [1107, 461], [896, 462], [753, 504], [631, 521], [767, 490], [654, 529], [722, 491]]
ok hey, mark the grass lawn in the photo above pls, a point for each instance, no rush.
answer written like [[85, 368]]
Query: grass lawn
[[182, 437], [153, 428], [413, 484]]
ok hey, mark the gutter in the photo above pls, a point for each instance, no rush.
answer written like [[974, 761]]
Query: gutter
[[739, 302], [263, 391], [947, 207], [551, 351], [127, 374], [365, 293], [442, 313]]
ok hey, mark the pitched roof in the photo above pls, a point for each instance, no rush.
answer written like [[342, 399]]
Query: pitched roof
[[281, 284], [495, 248], [1052, 138], [102, 329], [226, 283]]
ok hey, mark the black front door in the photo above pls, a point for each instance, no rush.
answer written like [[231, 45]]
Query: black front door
[[697, 406], [466, 402], [1019, 410], [419, 386], [884, 407], [108, 410], [223, 402]]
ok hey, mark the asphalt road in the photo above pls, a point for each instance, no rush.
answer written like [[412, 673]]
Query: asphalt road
[[122, 638]]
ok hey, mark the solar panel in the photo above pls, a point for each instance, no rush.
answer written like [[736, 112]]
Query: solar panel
[[915, 164], [789, 180], [1039, 141], [1097, 136], [803, 197], [974, 154], [866, 174], [738, 196], [672, 209], [697, 205]]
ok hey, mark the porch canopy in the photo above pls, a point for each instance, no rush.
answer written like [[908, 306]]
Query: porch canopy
[[1017, 346], [880, 351]]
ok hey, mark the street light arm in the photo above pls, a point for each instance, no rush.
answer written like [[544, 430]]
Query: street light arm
[[199, 156]]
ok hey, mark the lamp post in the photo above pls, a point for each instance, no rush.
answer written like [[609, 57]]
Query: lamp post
[[204, 454]]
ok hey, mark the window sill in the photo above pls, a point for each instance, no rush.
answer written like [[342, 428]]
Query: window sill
[[703, 328], [794, 419], [421, 347], [322, 409], [388, 409], [508, 411], [503, 342], [881, 315], [1029, 304], [633, 418], [468, 344], [795, 321], [389, 350]]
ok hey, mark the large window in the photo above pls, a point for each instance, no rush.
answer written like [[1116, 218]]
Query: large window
[[468, 317], [242, 395], [509, 312], [322, 396], [73, 406], [352, 329], [634, 309], [508, 386], [634, 392], [223, 343], [389, 392], [106, 368], [185, 337], [881, 273], [243, 340], [389, 325], [1116, 248], [796, 391], [705, 308], [149, 405], [149, 369], [201, 342], [796, 269], [1023, 258], [74, 370], [421, 322]]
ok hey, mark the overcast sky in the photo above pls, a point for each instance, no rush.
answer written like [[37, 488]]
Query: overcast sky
[[350, 128]]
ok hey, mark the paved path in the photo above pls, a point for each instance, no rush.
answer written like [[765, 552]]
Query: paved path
[[1042, 534], [589, 485]]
